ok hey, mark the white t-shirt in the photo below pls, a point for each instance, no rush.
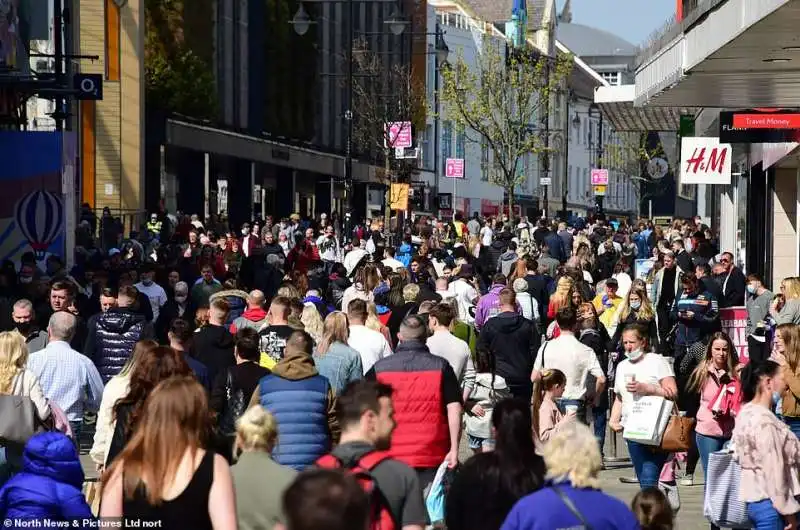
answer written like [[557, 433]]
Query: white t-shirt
[[393, 264], [575, 359], [465, 293], [371, 345], [486, 236], [650, 369], [156, 294]]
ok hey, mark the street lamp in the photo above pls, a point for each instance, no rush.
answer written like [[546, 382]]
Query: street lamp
[[593, 107], [302, 23]]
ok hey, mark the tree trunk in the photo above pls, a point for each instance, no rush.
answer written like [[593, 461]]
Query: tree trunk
[[510, 203]]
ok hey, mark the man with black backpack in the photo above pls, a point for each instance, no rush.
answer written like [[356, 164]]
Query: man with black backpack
[[366, 417]]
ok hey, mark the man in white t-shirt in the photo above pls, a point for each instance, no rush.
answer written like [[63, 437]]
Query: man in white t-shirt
[[371, 345], [154, 292], [486, 233], [576, 360], [465, 294], [389, 259]]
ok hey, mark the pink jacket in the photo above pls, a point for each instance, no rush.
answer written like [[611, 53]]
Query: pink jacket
[[60, 419], [718, 407]]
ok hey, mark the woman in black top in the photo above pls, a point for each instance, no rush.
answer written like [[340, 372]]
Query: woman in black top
[[489, 484], [164, 476]]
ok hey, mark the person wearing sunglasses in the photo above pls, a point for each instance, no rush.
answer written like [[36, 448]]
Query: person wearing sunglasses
[[732, 281]]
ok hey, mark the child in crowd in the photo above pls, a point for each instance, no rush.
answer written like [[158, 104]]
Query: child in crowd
[[653, 510], [546, 416], [489, 389]]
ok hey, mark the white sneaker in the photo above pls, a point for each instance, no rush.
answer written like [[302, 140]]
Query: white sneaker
[[670, 490], [688, 480]]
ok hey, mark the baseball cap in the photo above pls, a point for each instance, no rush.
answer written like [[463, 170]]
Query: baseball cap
[[113, 252]]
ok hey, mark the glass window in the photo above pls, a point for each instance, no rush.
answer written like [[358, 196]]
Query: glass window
[[447, 143]]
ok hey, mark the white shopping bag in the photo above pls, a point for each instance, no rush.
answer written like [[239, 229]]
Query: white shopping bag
[[647, 420]]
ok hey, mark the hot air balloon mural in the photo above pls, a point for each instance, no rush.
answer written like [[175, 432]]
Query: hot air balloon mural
[[40, 217]]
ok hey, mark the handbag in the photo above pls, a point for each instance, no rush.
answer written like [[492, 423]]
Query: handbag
[[19, 419], [677, 436], [721, 503], [234, 406]]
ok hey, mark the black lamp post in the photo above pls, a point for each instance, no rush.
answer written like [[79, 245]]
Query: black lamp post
[[598, 198], [302, 23]]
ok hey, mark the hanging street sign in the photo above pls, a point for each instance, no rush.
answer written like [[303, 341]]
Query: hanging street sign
[[705, 161], [599, 177], [400, 136], [600, 190], [454, 168]]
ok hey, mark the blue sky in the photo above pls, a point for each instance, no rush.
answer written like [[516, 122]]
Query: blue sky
[[633, 20]]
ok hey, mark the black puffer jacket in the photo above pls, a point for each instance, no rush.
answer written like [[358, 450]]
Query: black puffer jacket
[[112, 340]]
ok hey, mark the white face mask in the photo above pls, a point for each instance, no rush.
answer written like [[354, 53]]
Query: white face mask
[[180, 298], [245, 231], [635, 355]]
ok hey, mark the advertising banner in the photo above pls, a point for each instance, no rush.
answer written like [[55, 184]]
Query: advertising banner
[[734, 323]]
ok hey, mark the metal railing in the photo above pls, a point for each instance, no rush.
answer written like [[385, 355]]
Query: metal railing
[[693, 11]]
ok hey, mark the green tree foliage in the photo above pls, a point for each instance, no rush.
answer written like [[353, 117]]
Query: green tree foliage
[[179, 75], [501, 101]]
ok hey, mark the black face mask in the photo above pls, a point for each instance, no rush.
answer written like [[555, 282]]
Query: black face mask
[[23, 327]]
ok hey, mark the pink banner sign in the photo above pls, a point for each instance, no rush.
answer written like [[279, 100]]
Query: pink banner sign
[[400, 135], [599, 177], [454, 168], [734, 323]]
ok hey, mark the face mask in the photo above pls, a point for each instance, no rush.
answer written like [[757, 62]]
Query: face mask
[[636, 305], [23, 327], [634, 355], [147, 281], [180, 298], [751, 289], [245, 231], [776, 399], [25, 279]]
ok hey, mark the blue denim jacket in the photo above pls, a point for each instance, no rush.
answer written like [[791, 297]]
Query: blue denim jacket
[[341, 365]]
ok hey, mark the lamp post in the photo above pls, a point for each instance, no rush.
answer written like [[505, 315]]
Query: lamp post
[[302, 23], [593, 107], [442, 53]]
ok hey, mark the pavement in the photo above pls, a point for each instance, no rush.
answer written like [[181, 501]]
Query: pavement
[[690, 515]]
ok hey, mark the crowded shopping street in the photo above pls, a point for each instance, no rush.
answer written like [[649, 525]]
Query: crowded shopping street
[[400, 264]]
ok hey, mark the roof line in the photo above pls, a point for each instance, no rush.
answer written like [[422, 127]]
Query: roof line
[[580, 62], [474, 19]]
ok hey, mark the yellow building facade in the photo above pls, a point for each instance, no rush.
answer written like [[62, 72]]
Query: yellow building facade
[[112, 129]]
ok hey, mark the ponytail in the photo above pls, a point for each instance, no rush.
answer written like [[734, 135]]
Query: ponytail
[[550, 378], [752, 374]]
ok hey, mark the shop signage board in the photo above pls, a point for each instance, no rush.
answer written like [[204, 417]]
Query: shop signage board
[[759, 126], [734, 323], [705, 161], [454, 168], [599, 177], [400, 136]]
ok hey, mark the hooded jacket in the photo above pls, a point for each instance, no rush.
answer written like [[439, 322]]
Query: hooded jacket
[[213, 346], [49, 486], [237, 302], [510, 337], [506, 262], [253, 317], [111, 342], [303, 403]]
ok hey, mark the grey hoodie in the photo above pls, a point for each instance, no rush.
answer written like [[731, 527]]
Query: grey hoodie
[[506, 262]]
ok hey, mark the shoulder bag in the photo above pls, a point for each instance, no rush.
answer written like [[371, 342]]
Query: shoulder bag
[[19, 420], [572, 508]]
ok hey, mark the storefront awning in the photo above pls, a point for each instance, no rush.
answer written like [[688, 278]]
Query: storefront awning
[[740, 54], [617, 105]]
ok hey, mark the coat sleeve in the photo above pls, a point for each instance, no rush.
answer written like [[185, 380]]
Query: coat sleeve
[[74, 507], [333, 422]]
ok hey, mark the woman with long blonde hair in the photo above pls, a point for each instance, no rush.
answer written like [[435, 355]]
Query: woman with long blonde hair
[[787, 354], [786, 306], [337, 361], [114, 390], [715, 372], [374, 323], [636, 308], [165, 474], [16, 380], [562, 297], [312, 321]]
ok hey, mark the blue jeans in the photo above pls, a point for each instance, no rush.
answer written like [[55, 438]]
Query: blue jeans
[[793, 423], [705, 446], [764, 516], [600, 424], [647, 463]]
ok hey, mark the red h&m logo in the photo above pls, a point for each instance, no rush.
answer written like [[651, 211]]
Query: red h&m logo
[[716, 160]]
